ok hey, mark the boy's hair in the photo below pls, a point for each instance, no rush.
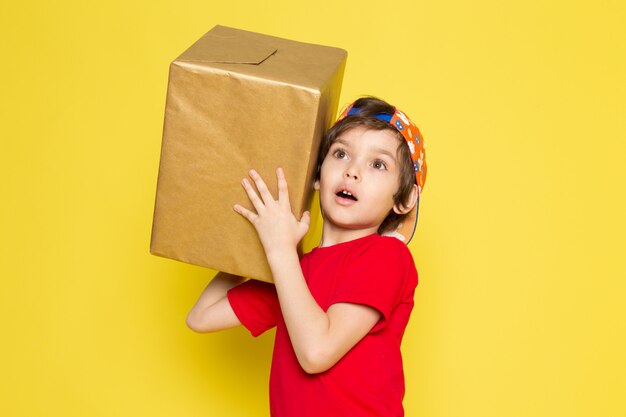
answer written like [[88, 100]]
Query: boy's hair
[[368, 108]]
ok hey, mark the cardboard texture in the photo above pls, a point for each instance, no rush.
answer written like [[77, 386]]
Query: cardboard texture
[[238, 100]]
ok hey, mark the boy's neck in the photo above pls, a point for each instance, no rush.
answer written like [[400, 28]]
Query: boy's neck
[[333, 236]]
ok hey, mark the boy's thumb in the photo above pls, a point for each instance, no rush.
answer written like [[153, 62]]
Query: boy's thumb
[[306, 218]]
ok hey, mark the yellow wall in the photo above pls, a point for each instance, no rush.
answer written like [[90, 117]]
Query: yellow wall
[[520, 247]]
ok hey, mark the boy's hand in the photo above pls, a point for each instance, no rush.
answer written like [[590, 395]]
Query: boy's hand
[[274, 221]]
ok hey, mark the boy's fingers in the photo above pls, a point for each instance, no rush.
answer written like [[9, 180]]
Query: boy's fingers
[[283, 190], [252, 195], [260, 185], [245, 212]]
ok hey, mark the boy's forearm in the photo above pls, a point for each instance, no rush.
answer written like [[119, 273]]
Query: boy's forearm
[[307, 323], [215, 290]]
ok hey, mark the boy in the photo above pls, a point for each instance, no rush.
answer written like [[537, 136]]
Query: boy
[[341, 310]]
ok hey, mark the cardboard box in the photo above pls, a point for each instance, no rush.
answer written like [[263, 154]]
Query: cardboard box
[[238, 100]]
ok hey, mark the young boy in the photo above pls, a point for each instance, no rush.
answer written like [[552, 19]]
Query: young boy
[[341, 310]]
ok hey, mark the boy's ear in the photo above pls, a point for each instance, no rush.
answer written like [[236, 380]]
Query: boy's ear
[[316, 185], [409, 204]]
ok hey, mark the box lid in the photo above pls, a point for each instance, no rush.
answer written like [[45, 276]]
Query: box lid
[[249, 54], [229, 48]]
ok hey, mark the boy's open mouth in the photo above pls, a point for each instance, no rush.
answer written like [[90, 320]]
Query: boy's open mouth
[[346, 194]]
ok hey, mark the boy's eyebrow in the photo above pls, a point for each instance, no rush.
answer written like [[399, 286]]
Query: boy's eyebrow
[[385, 152], [377, 150]]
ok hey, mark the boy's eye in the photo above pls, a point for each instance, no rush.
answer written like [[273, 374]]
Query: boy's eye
[[379, 165]]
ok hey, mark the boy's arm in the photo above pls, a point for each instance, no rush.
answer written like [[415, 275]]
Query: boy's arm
[[319, 338], [212, 311]]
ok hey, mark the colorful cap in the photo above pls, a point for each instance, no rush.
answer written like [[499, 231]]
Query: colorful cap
[[415, 142]]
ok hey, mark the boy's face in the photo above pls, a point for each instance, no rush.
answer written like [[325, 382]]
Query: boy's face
[[359, 178]]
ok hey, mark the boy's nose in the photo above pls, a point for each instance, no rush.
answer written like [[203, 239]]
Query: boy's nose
[[352, 173]]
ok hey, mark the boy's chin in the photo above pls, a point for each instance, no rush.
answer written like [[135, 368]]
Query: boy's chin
[[351, 227]]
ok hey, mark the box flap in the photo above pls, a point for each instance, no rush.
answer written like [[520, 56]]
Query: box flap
[[228, 48]]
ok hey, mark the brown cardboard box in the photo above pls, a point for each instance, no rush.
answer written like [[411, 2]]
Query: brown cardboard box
[[238, 100]]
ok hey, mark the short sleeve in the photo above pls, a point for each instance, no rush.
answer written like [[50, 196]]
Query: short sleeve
[[255, 304], [381, 275]]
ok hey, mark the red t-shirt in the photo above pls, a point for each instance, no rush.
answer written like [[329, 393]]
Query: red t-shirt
[[368, 381]]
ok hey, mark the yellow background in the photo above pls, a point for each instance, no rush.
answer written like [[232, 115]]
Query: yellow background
[[521, 307]]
